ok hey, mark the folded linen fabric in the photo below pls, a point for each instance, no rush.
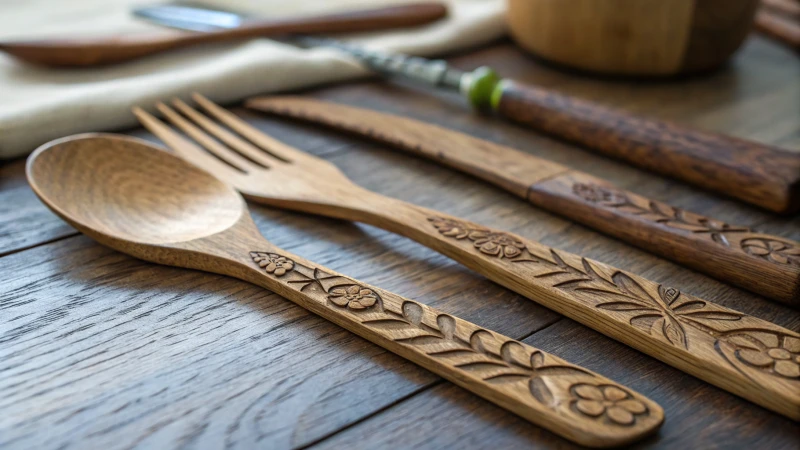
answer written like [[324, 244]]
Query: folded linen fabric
[[38, 104]]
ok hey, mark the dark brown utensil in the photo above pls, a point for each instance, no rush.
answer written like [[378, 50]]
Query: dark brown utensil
[[82, 52]]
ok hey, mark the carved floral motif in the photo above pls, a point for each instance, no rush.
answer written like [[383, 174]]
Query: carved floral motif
[[772, 250], [478, 353], [664, 314], [353, 297], [272, 263], [489, 242], [765, 351], [609, 401]]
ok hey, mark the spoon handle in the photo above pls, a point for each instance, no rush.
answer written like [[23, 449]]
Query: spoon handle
[[744, 355], [566, 399]]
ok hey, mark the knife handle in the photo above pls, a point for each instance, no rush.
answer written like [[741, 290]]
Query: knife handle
[[762, 175], [764, 264]]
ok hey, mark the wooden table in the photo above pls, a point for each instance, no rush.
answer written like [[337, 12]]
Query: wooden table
[[99, 350]]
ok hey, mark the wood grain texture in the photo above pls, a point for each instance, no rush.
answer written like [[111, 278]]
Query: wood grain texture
[[744, 355], [24, 221], [87, 52], [766, 265], [226, 365], [762, 175], [632, 37], [718, 28], [112, 189]]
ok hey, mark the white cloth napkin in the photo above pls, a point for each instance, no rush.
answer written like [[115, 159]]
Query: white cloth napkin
[[39, 104]]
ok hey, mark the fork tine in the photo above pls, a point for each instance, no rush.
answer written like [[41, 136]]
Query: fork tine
[[242, 146], [266, 142], [183, 147], [219, 150]]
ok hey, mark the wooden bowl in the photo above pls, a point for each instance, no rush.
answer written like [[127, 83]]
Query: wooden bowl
[[632, 37]]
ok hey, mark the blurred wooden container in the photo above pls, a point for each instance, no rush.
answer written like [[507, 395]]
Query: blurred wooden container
[[632, 37]]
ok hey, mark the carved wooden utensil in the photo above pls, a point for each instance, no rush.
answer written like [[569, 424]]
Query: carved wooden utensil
[[747, 356], [762, 175], [142, 201], [767, 265], [85, 52]]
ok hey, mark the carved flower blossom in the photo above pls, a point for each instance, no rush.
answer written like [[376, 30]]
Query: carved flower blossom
[[449, 227], [768, 352], [773, 250], [497, 244], [274, 264], [598, 194], [353, 297], [607, 400]]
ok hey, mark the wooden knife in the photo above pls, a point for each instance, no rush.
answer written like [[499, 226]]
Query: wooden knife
[[762, 175], [764, 264]]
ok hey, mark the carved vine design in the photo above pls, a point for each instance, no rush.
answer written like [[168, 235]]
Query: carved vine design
[[665, 315], [441, 339], [772, 250]]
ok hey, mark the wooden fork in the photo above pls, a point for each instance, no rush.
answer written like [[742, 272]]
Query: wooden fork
[[747, 356]]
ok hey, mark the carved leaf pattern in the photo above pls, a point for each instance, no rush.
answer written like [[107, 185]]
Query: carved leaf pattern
[[773, 250], [441, 339], [665, 315]]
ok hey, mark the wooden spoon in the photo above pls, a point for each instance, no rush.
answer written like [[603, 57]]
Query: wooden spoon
[[152, 205], [82, 52]]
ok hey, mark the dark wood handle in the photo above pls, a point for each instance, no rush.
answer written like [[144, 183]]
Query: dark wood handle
[[767, 265], [762, 175], [100, 51]]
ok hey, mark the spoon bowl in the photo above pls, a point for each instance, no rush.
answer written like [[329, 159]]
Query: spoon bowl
[[111, 186]]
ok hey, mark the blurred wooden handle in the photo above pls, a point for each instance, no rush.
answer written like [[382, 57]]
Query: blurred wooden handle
[[108, 50], [779, 26], [762, 175]]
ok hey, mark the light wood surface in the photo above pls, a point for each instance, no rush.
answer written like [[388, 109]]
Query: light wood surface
[[632, 37], [767, 265], [692, 334], [102, 350], [87, 52], [139, 200]]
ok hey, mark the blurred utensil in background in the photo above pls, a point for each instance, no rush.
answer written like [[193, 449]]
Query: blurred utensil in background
[[780, 20], [94, 51], [763, 175]]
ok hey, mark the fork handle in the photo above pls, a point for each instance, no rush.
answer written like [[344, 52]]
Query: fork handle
[[744, 355], [564, 398]]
